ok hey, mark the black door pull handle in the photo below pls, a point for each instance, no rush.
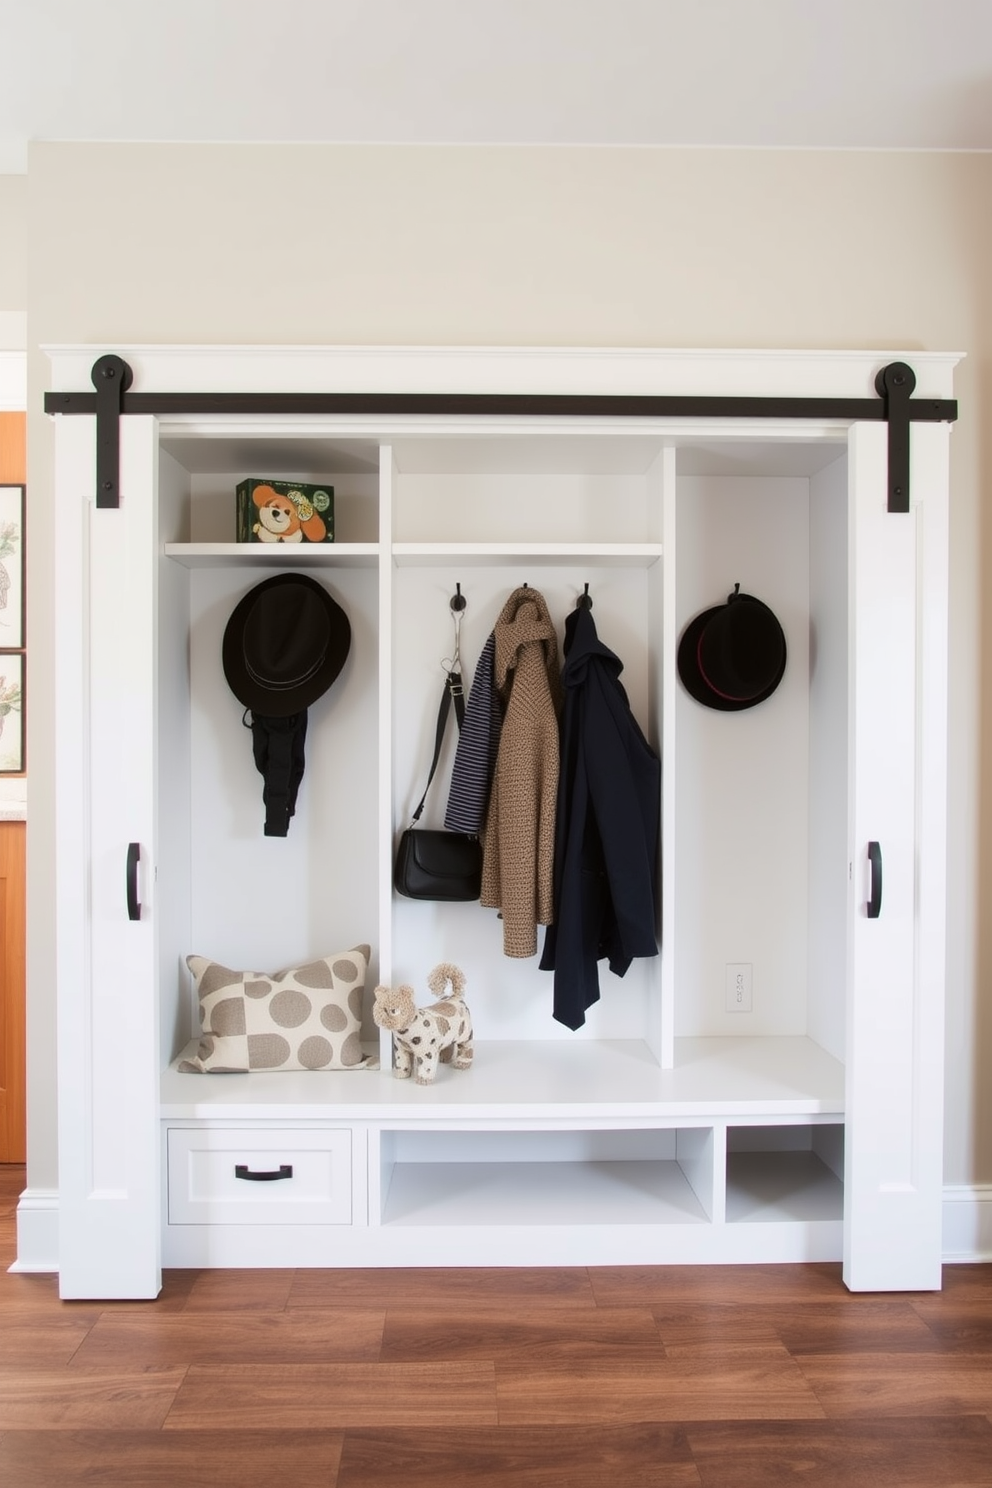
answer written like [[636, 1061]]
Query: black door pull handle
[[242, 1170], [875, 896], [133, 907]]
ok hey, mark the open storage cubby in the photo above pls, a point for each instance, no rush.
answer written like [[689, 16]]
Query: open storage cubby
[[246, 900], [785, 1173], [548, 1178], [680, 1122]]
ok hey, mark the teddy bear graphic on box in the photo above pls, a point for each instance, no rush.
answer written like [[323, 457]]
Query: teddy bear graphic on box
[[281, 519], [285, 512]]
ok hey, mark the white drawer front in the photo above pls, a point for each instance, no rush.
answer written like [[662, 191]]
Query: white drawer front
[[214, 1177]]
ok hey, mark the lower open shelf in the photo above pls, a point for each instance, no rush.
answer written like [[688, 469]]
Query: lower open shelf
[[615, 1193], [777, 1187], [619, 1176]]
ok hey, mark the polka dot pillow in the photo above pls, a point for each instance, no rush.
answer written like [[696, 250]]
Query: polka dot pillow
[[306, 1018]]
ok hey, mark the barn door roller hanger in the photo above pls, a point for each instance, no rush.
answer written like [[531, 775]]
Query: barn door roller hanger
[[112, 378]]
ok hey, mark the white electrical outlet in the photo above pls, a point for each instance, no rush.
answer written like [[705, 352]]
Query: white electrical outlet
[[738, 986]]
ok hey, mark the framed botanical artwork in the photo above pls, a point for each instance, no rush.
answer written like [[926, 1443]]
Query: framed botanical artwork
[[11, 568], [11, 713]]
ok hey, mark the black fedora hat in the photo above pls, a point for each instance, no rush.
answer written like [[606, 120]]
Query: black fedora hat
[[732, 656], [284, 645]]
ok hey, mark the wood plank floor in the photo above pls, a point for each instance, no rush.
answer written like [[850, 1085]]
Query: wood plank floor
[[614, 1377]]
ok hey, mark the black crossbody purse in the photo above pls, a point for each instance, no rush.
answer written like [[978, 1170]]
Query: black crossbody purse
[[433, 864]]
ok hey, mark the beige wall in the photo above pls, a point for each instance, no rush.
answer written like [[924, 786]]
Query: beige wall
[[536, 246], [13, 243]]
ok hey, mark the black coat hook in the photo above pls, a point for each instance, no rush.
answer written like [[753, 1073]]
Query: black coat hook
[[458, 600], [584, 602]]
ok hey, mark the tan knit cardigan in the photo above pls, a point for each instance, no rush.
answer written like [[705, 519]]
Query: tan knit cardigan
[[518, 842]]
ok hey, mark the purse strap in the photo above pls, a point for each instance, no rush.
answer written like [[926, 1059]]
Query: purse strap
[[454, 693]]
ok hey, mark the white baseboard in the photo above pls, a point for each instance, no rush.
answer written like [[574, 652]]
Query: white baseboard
[[37, 1230], [967, 1227], [967, 1223]]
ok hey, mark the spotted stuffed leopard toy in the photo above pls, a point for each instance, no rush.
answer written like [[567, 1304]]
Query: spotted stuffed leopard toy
[[423, 1036]]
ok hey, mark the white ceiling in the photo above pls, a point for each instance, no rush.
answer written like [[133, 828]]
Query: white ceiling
[[895, 74]]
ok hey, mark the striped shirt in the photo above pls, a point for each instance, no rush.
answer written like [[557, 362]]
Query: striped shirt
[[478, 745]]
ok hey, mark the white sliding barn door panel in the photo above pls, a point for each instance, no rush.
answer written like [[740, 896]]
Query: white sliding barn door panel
[[894, 1046], [108, 1030]]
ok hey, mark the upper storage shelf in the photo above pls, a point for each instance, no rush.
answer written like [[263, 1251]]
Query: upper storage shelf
[[485, 495], [251, 555]]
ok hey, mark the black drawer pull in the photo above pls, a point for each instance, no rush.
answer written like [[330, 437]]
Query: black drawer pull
[[241, 1170]]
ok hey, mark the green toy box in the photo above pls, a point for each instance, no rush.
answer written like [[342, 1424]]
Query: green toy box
[[283, 511]]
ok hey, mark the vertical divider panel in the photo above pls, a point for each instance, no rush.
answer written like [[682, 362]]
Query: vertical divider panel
[[382, 1161], [373, 1139], [667, 644], [385, 773], [360, 1176], [828, 1145], [719, 1211], [695, 1152]]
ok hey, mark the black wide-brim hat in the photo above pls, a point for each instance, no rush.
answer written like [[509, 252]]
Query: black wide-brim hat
[[284, 645], [733, 655]]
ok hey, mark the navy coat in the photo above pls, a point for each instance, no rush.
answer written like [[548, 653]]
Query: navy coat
[[606, 840]]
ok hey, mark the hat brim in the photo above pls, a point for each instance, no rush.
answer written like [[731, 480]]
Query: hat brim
[[696, 684], [267, 702]]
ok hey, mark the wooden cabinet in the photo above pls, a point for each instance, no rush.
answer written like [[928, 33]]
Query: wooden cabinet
[[672, 1127]]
